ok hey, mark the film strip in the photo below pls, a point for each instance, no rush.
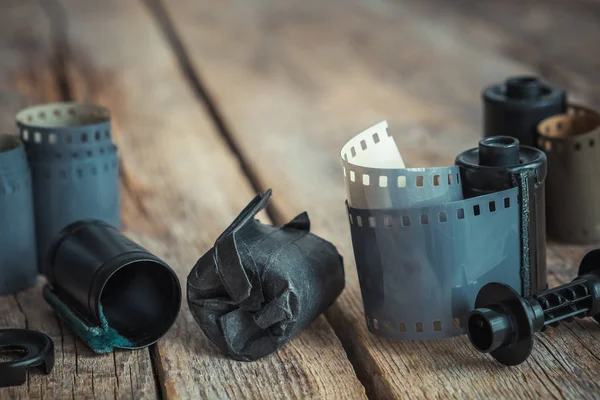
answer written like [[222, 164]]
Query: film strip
[[375, 175], [74, 167], [423, 251], [18, 263], [571, 142]]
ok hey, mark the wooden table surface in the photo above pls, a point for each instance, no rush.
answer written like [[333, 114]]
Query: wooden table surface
[[213, 101]]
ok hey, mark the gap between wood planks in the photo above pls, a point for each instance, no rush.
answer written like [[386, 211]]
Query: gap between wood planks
[[61, 54], [165, 24], [59, 28], [175, 35]]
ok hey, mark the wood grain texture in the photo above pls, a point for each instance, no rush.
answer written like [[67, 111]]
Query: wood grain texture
[[182, 186], [554, 37], [28, 67], [295, 80]]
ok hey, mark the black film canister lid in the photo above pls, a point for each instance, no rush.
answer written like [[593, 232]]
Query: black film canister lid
[[571, 142], [108, 289], [18, 262], [499, 163], [74, 167], [38, 351], [515, 107]]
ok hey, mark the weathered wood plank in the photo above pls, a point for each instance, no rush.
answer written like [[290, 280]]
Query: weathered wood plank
[[28, 76], [184, 187], [295, 80], [554, 37]]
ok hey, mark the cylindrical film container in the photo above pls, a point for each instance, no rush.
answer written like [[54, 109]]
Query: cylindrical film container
[[500, 163], [422, 250], [18, 263], [515, 107], [74, 167], [572, 144], [108, 289]]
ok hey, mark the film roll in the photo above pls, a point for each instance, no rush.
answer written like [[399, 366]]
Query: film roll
[[571, 142], [260, 285], [423, 251], [18, 263], [74, 167], [516, 106], [498, 163]]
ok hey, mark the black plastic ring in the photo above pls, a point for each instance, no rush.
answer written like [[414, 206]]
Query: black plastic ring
[[39, 352]]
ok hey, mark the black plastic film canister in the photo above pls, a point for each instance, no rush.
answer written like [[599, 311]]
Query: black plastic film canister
[[515, 107], [109, 290], [18, 263], [571, 142], [74, 167], [500, 163]]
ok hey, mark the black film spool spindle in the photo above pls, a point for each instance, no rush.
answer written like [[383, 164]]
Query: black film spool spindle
[[504, 323]]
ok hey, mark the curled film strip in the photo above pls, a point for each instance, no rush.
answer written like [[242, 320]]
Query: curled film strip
[[18, 263], [571, 142], [423, 251], [74, 167]]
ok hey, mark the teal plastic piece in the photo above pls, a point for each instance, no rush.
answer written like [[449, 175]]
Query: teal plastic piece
[[101, 339]]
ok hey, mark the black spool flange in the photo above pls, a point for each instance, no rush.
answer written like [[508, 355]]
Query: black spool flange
[[504, 323], [515, 107]]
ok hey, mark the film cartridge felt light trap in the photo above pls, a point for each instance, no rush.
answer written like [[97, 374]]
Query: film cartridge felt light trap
[[427, 239], [260, 285], [109, 290]]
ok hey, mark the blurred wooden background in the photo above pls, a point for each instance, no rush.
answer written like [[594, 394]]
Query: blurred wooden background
[[215, 100]]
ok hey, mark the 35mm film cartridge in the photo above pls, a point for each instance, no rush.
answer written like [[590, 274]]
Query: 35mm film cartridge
[[572, 144], [422, 248], [516, 106]]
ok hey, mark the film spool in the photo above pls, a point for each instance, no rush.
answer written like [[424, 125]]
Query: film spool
[[423, 251], [109, 290], [74, 167], [18, 263], [498, 163], [571, 142], [514, 108]]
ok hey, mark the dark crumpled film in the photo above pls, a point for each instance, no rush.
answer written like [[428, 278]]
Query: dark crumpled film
[[260, 285]]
